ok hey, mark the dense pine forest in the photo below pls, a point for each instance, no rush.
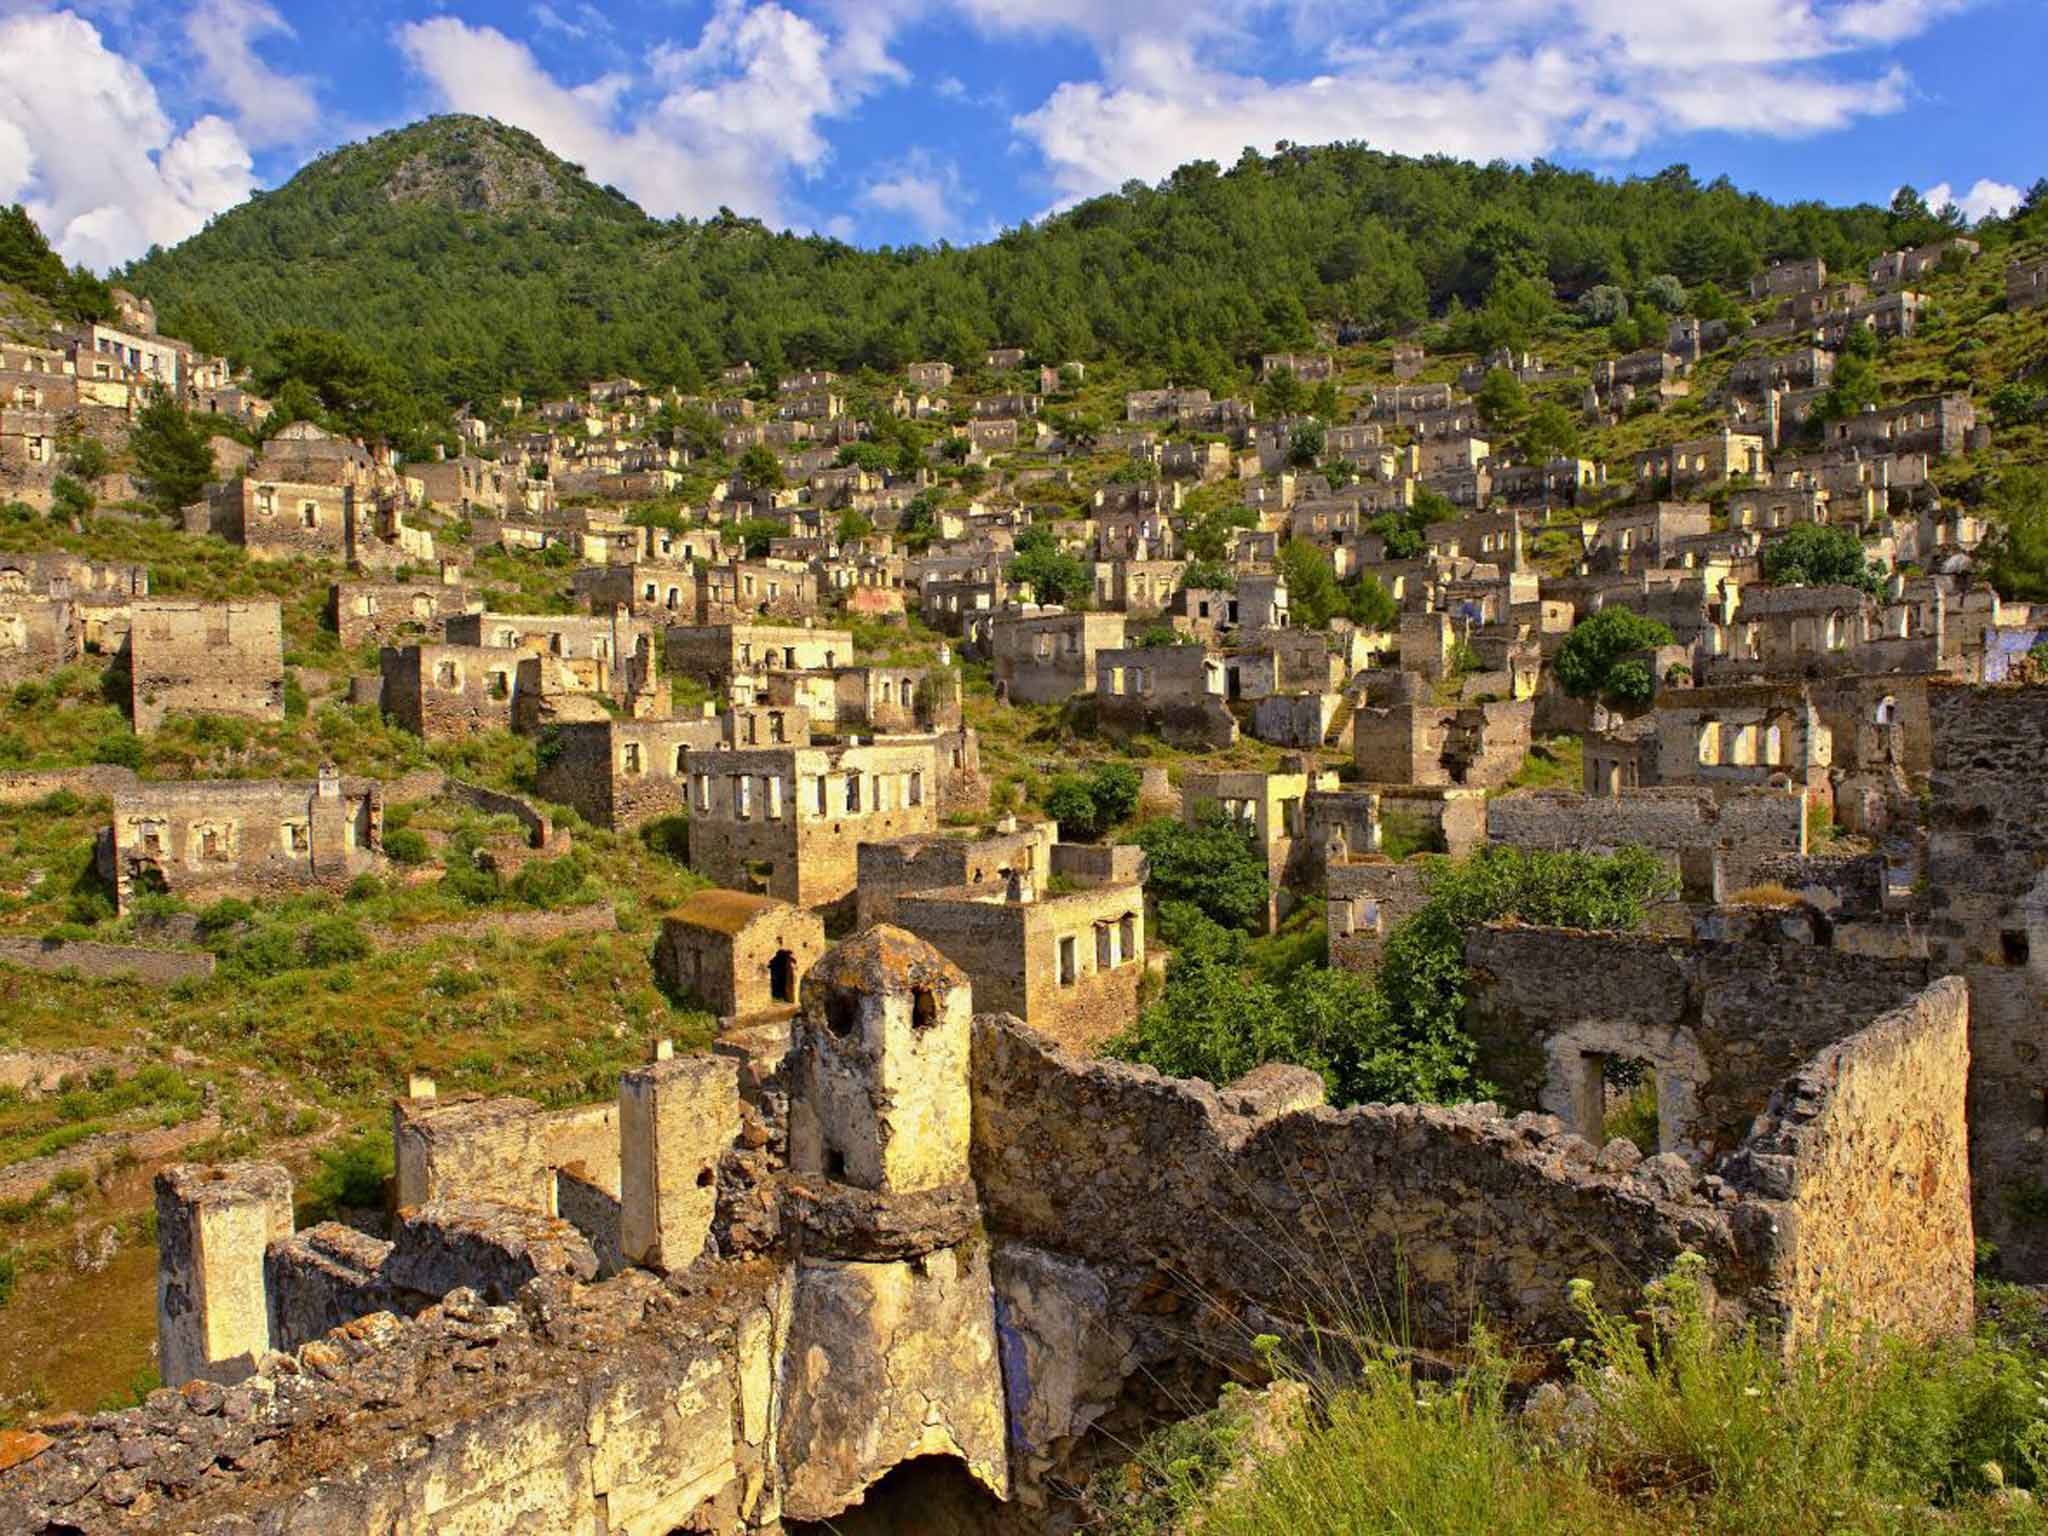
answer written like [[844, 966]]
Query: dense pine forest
[[543, 280]]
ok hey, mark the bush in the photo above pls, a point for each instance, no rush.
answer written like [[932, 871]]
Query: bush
[[8, 1275], [351, 1176], [123, 749], [1087, 806], [405, 845], [1819, 555], [228, 912], [267, 952], [554, 883], [333, 941]]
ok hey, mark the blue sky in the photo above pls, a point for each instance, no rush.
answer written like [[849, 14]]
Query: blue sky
[[130, 122]]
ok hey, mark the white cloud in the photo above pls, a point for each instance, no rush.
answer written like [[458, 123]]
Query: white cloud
[[1483, 78], [927, 193], [85, 144], [268, 107], [1986, 199], [721, 121]]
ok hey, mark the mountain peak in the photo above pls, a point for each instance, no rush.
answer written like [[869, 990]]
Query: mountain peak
[[464, 164]]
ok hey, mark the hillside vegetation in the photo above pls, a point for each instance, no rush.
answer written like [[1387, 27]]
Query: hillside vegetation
[[478, 260]]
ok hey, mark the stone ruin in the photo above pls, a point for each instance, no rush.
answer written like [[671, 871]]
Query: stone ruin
[[886, 1233]]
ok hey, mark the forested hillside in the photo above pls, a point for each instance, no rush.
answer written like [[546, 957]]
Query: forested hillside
[[473, 258]]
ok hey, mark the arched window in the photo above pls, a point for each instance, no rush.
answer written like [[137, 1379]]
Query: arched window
[[1887, 710]]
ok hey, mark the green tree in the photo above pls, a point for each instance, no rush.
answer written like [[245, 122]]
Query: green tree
[[1370, 604], [854, 524], [1313, 598], [1552, 433], [1666, 293], [173, 458], [761, 469], [2016, 559], [1855, 386], [918, 525], [1054, 575], [1502, 401], [1088, 805], [1819, 555], [1305, 445], [1211, 865], [757, 536], [1600, 641], [1281, 395]]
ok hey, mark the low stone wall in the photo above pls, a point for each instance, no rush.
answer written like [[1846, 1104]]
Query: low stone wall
[[152, 967], [101, 779], [529, 927], [1862, 1162], [1842, 885], [1434, 1215], [540, 828], [621, 1408]]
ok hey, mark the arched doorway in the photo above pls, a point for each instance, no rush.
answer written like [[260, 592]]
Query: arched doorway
[[782, 977]]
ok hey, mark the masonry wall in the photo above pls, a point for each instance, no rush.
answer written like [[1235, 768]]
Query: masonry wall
[[208, 658], [1745, 827], [887, 870], [1987, 848], [1727, 1019], [37, 636], [1863, 1158], [1436, 1214], [620, 774]]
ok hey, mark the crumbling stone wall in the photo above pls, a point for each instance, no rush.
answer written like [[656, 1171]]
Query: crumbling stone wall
[[1735, 831], [209, 658], [1439, 1213], [1987, 847], [202, 840], [37, 636], [504, 1150], [1722, 1021], [619, 774], [1862, 1163]]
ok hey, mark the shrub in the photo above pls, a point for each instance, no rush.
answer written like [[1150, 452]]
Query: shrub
[[1819, 555], [554, 883], [8, 1275], [351, 1175], [123, 749], [1087, 806], [668, 835], [333, 940], [228, 912], [267, 952], [405, 845]]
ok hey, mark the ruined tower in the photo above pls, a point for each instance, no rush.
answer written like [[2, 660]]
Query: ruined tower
[[892, 1345]]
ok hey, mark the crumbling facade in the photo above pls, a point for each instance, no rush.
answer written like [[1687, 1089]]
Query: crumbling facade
[[742, 956], [205, 658]]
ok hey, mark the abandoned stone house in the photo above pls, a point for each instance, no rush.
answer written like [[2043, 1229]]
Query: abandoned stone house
[[954, 857], [1738, 736], [205, 658], [1000, 358], [445, 692], [1174, 692], [932, 375], [1801, 368], [1267, 807], [620, 774], [733, 593], [1308, 367], [1402, 736], [1893, 314], [738, 656], [889, 701], [1938, 425], [465, 484], [202, 840], [1896, 267], [1047, 658], [788, 821], [380, 613], [645, 588], [1069, 965], [1702, 461], [741, 956], [1642, 538], [1783, 278], [2026, 285], [1137, 588]]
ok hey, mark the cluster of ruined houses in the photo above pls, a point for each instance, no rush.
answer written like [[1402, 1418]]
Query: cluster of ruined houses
[[913, 1232], [91, 380]]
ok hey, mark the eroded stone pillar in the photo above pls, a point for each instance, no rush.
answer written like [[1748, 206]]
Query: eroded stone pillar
[[212, 1305], [677, 1118]]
